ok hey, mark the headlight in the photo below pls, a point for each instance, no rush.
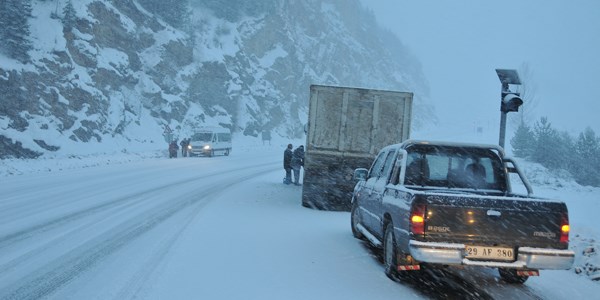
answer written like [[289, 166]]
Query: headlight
[[206, 147]]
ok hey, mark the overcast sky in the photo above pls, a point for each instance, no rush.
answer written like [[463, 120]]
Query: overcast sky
[[461, 43]]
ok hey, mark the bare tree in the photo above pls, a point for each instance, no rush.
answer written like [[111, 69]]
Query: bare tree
[[527, 90]]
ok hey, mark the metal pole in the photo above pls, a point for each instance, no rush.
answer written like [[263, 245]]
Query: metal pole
[[504, 88], [502, 128]]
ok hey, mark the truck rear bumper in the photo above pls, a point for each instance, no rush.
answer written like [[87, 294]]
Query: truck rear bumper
[[527, 257]]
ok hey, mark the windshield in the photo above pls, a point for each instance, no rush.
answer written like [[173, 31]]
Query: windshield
[[202, 137]]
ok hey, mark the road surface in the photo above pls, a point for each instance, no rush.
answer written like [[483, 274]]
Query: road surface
[[215, 228]]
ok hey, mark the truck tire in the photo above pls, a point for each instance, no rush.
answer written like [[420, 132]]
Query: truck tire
[[227, 152], [510, 276], [354, 221], [390, 257]]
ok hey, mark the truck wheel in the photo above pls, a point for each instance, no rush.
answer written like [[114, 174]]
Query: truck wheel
[[354, 221], [510, 276], [390, 257], [212, 153], [227, 152]]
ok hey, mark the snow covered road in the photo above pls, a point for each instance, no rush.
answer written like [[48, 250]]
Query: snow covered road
[[211, 228]]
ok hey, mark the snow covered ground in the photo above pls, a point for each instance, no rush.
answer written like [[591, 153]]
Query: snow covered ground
[[128, 225]]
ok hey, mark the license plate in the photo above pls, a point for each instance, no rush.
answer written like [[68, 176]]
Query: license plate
[[490, 253]]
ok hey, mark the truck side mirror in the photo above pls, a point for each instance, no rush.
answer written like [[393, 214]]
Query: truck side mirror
[[360, 174]]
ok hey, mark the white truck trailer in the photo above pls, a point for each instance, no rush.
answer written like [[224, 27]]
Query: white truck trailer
[[346, 129]]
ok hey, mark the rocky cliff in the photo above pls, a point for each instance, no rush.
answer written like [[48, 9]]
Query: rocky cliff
[[119, 73]]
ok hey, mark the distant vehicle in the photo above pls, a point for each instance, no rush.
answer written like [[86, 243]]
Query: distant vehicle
[[444, 204], [209, 141], [346, 128]]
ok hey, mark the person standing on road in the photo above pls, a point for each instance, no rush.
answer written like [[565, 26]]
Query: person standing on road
[[297, 163], [287, 164], [184, 143], [173, 149]]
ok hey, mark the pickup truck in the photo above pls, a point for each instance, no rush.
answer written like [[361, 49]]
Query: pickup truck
[[439, 204]]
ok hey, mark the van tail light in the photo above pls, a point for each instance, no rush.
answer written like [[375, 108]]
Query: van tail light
[[417, 219], [564, 228]]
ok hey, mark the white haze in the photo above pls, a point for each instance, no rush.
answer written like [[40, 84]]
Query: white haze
[[461, 43]]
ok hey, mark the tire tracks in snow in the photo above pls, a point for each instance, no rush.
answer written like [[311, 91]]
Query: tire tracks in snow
[[11, 239], [58, 273]]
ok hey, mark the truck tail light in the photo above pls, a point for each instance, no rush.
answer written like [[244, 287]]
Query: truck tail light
[[564, 228], [417, 219]]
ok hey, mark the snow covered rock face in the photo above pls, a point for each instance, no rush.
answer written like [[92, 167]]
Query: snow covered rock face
[[102, 74]]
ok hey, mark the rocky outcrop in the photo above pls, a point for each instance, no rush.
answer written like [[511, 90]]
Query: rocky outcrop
[[120, 72]]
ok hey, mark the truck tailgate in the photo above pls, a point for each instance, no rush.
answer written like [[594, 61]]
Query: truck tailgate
[[495, 222]]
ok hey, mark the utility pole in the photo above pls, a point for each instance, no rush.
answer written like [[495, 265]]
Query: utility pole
[[509, 101]]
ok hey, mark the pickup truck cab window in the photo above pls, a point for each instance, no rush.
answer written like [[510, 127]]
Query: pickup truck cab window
[[377, 167], [388, 164], [455, 168], [396, 172]]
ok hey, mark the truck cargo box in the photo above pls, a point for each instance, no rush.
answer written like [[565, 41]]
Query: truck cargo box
[[346, 129]]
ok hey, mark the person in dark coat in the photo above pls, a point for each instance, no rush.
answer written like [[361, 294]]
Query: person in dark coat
[[287, 164], [297, 163], [184, 143], [173, 149]]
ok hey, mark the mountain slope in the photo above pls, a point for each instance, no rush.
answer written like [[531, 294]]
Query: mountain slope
[[118, 73]]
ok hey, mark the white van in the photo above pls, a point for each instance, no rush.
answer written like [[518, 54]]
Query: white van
[[210, 140]]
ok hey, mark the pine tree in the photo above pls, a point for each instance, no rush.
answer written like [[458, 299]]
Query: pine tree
[[546, 150], [175, 12], [178, 13], [69, 16], [565, 151], [587, 153], [14, 29], [523, 142]]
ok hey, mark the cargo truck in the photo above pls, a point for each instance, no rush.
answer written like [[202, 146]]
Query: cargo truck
[[346, 129]]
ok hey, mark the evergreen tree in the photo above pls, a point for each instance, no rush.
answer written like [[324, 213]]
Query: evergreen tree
[[546, 150], [14, 29], [175, 12], [523, 141], [587, 153], [234, 10], [565, 151], [69, 16]]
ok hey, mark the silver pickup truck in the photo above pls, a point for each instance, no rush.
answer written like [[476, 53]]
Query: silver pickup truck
[[444, 204]]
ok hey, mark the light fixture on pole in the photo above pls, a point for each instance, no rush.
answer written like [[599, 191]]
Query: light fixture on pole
[[509, 101]]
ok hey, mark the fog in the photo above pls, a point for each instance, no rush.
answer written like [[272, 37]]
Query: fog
[[461, 43]]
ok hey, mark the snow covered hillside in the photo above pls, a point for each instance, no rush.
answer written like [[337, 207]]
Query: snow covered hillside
[[110, 75]]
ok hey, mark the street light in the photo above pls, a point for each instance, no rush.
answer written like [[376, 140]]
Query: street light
[[509, 101]]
